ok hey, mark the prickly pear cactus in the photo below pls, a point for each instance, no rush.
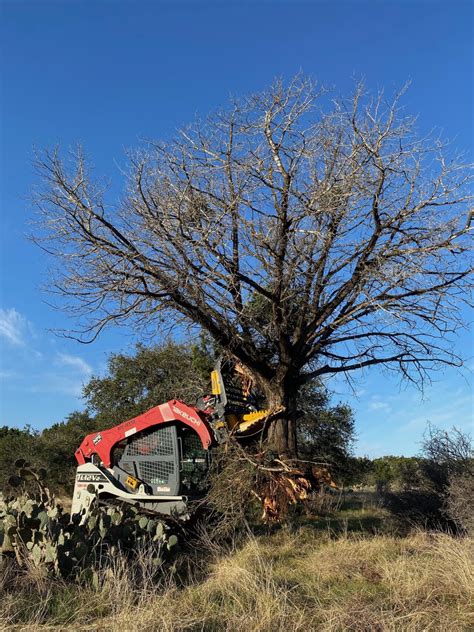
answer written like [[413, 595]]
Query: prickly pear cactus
[[38, 531]]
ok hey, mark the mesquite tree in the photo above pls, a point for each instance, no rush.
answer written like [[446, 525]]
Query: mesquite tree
[[306, 236]]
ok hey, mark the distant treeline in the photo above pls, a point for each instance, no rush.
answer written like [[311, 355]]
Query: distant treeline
[[387, 472]]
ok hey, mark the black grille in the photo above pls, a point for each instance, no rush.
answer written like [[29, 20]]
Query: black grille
[[154, 457], [157, 443], [156, 472]]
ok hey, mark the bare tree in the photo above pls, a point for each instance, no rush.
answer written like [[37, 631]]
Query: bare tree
[[307, 236]]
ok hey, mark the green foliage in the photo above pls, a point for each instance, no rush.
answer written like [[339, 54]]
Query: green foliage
[[13, 442], [358, 471], [56, 447], [325, 432], [150, 376], [385, 473], [395, 472], [35, 530], [53, 448]]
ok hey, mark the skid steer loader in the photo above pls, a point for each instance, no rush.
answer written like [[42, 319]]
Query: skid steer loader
[[160, 459]]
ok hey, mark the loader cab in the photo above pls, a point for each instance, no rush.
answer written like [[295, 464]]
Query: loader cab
[[194, 462], [170, 460]]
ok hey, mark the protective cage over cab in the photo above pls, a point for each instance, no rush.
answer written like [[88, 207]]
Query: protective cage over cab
[[169, 459], [159, 460]]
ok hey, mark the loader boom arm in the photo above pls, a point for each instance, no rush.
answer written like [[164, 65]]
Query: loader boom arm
[[103, 442]]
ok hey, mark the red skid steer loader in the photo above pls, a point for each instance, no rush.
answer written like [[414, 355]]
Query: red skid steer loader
[[160, 458]]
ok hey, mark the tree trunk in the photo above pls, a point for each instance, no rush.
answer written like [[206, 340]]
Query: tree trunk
[[282, 432]]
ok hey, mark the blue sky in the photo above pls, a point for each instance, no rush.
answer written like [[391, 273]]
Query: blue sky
[[108, 73]]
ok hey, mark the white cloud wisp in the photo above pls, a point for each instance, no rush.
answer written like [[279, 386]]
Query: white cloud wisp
[[13, 327], [75, 362]]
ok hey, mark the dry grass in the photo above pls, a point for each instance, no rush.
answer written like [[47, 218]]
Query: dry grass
[[286, 581]]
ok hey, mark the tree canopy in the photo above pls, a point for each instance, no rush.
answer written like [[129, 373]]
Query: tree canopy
[[334, 219]]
